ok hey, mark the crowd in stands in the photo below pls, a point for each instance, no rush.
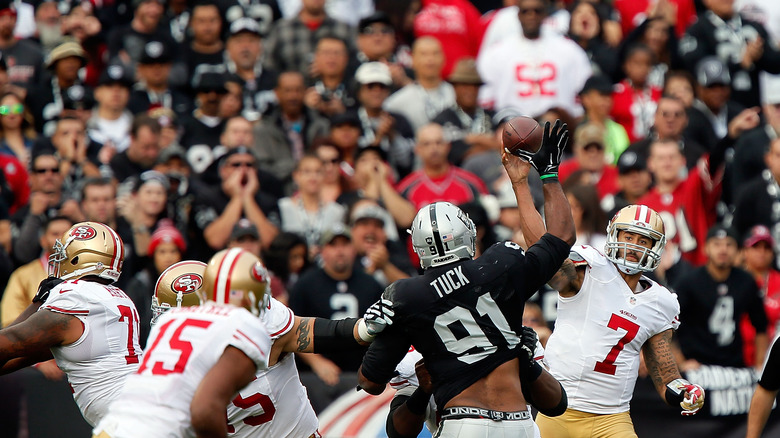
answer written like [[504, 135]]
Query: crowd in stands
[[310, 131]]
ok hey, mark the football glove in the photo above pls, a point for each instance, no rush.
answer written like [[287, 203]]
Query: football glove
[[691, 396], [377, 317], [528, 340], [45, 286], [548, 158]]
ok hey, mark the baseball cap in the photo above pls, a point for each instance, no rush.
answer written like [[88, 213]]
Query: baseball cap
[[166, 233], [209, 81], [244, 25], [629, 161], [156, 52], [587, 134], [376, 17], [66, 50], [346, 118], [598, 83], [719, 231], [233, 151], [711, 71], [77, 97], [171, 152], [151, 177], [116, 74], [759, 233], [329, 235], [373, 73], [465, 72], [244, 227], [368, 212]]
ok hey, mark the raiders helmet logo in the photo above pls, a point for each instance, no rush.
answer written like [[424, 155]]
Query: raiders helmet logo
[[83, 232], [187, 283], [259, 273]]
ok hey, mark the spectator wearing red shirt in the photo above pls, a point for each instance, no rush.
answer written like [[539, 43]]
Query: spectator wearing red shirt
[[590, 158], [758, 256], [680, 13], [438, 180], [635, 100], [456, 24]]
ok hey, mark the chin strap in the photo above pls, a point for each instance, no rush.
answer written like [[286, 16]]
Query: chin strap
[[627, 270]]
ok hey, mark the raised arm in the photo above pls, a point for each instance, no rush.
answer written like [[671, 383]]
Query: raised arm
[[662, 366]]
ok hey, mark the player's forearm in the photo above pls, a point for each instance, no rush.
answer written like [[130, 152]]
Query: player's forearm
[[760, 407], [217, 233], [367, 385], [545, 393], [208, 421], [557, 213], [402, 422], [28, 312], [530, 220], [761, 345]]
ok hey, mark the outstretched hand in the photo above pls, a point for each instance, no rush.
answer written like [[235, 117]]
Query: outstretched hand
[[517, 168], [548, 158]]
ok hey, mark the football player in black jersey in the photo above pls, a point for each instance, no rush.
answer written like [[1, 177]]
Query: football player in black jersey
[[464, 315]]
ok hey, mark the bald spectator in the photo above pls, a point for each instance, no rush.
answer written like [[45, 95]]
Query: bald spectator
[[428, 95]]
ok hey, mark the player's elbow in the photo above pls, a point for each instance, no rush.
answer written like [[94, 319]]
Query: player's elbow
[[370, 387], [208, 419]]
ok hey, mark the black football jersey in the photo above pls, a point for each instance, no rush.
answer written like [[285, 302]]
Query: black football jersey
[[463, 317]]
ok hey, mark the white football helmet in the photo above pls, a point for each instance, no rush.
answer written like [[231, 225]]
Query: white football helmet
[[178, 286], [442, 233], [639, 219], [87, 248]]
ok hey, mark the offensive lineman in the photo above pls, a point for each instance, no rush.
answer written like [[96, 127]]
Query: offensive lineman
[[87, 325], [199, 357], [607, 313], [275, 402], [464, 315]]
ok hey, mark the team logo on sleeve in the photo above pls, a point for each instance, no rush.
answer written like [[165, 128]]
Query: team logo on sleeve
[[187, 283], [84, 232]]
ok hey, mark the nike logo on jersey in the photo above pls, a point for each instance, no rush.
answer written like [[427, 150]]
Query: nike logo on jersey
[[62, 291], [450, 281]]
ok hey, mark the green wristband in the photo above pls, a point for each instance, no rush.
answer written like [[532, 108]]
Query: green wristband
[[549, 178]]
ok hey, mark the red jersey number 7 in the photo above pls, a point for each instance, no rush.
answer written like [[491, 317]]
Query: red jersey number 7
[[607, 366]]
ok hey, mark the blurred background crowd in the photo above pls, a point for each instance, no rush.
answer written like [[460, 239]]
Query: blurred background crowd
[[310, 131]]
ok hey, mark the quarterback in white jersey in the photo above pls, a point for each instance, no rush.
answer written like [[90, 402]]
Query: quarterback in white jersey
[[88, 326], [535, 71]]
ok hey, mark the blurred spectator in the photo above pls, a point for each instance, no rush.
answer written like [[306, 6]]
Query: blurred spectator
[[534, 318], [144, 209], [205, 49], [152, 90], [669, 124], [596, 98], [386, 260], [305, 213], [534, 71], [45, 98], [166, 247], [292, 40], [712, 111], [633, 181], [143, 150], [183, 188], [126, 43], [390, 131], [589, 220], [16, 128], [334, 290], [47, 200], [428, 95], [376, 42], [334, 182], [15, 186], [203, 126], [48, 25], [345, 132], [678, 13], [713, 299], [743, 45], [216, 211], [758, 258], [332, 91], [635, 98], [244, 50], [482, 224], [586, 29], [438, 180], [287, 257], [589, 157], [246, 237], [467, 127], [758, 202], [23, 284], [177, 14], [345, 11], [457, 26], [111, 121], [263, 12], [72, 145], [658, 35], [98, 203], [285, 133], [681, 85], [170, 128], [22, 56]]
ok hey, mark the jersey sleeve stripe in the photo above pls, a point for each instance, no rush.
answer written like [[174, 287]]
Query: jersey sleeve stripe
[[402, 382], [286, 326], [248, 339], [69, 312]]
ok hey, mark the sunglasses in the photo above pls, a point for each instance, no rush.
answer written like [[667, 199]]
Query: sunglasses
[[16, 108], [42, 170], [238, 164], [383, 30]]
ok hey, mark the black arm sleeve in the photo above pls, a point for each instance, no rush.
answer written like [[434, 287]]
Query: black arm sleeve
[[334, 335], [383, 356], [770, 378], [756, 310], [718, 153], [543, 259]]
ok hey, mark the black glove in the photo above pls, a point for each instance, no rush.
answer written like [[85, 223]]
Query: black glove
[[45, 287], [528, 340], [548, 158]]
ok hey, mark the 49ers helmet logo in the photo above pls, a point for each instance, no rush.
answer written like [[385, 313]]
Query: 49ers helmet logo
[[187, 283], [259, 273], [83, 232]]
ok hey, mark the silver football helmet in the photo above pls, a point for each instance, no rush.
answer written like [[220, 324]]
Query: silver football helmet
[[639, 219], [442, 233]]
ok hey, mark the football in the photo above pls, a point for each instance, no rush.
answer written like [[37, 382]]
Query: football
[[522, 134]]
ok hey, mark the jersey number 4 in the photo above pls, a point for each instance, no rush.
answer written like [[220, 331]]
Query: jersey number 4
[[174, 343], [476, 338], [607, 366]]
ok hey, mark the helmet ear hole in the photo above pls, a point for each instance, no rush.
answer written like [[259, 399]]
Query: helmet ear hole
[[75, 261]]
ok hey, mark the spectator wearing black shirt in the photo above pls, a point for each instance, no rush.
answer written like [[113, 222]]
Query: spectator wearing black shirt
[[335, 291], [376, 42], [332, 91], [152, 89], [23, 57], [244, 48], [143, 150], [263, 12], [713, 300], [126, 43], [206, 47], [204, 125], [633, 180]]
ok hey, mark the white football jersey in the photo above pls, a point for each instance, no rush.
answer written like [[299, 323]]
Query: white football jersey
[[275, 404], [599, 333], [532, 76], [98, 363], [183, 346]]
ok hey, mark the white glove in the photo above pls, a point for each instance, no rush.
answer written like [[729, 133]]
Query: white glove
[[379, 316], [693, 401]]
